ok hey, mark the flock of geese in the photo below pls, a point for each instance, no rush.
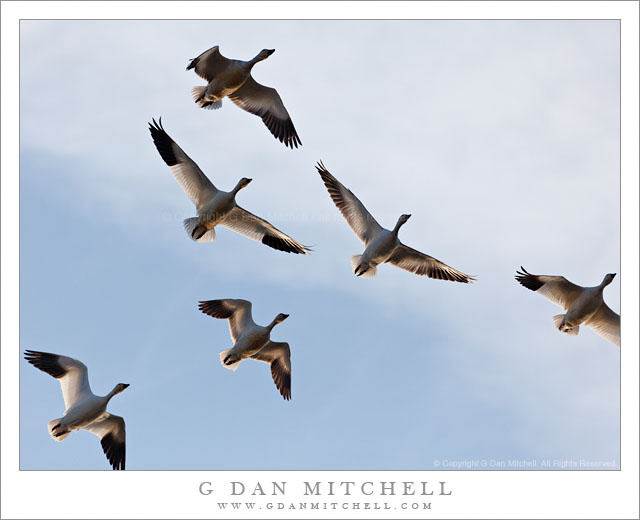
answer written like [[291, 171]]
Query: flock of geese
[[232, 79]]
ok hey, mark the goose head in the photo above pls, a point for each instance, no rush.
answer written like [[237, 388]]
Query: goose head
[[608, 279], [280, 318], [242, 183], [264, 54], [121, 387], [401, 220]]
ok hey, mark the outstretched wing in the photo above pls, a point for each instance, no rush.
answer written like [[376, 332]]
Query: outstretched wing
[[209, 63], [556, 289], [265, 102], [251, 226], [278, 355], [72, 374], [193, 181], [111, 430], [359, 219], [416, 262], [606, 323], [238, 312]]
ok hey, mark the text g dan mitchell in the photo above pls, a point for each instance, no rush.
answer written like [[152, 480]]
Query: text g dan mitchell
[[328, 488]]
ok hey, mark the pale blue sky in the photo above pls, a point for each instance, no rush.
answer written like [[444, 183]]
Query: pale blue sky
[[500, 138]]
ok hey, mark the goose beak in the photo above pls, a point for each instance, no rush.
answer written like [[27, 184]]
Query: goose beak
[[126, 385], [270, 51]]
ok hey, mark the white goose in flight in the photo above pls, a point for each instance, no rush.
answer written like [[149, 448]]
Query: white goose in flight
[[381, 244], [215, 206], [252, 341], [582, 304], [84, 410], [232, 78]]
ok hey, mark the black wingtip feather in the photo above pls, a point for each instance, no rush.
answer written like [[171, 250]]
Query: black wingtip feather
[[283, 245], [283, 131], [164, 143], [328, 179], [46, 362], [528, 280], [282, 379], [114, 450], [215, 309]]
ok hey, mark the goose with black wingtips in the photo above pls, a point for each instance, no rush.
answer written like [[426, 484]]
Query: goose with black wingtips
[[213, 206], [232, 78], [252, 341], [84, 409], [383, 245], [583, 305]]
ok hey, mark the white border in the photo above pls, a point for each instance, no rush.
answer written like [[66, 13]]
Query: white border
[[175, 494]]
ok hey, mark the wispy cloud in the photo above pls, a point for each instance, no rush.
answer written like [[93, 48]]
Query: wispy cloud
[[500, 138]]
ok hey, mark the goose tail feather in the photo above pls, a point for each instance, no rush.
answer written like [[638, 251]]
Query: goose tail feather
[[198, 94], [231, 365], [359, 269], [197, 232], [557, 321], [56, 431]]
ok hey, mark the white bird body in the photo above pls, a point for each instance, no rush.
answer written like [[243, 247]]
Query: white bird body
[[215, 210], [84, 409], [252, 341], [383, 245], [583, 305], [228, 80], [232, 79], [85, 412], [380, 249], [213, 206]]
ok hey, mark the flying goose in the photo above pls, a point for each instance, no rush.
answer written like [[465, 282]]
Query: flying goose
[[84, 409], [215, 206], [232, 78], [381, 244], [582, 304], [252, 341]]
